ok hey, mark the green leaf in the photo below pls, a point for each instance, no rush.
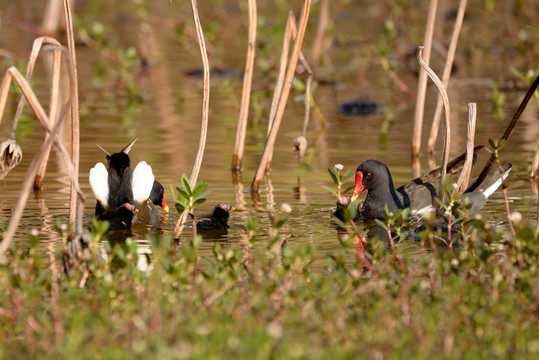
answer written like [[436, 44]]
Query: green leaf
[[347, 176], [348, 189], [442, 204], [491, 143], [330, 190], [199, 196], [298, 84], [181, 206], [517, 74], [199, 201], [182, 195], [333, 176], [185, 184], [381, 224], [199, 187]]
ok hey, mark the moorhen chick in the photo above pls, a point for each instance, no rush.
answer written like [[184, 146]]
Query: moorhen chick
[[419, 194], [218, 220], [121, 192]]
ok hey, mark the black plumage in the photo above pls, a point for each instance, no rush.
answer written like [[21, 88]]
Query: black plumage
[[217, 220]]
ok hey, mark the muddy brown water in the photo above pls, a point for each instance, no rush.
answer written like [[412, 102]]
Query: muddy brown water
[[165, 115]]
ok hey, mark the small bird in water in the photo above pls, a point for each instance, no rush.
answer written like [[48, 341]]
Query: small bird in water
[[218, 220]]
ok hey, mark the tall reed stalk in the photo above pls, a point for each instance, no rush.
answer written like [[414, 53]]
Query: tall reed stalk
[[246, 90], [446, 74], [270, 141], [75, 123], [447, 122], [464, 177], [205, 112], [422, 84]]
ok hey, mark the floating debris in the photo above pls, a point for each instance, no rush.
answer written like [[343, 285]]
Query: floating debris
[[360, 108]]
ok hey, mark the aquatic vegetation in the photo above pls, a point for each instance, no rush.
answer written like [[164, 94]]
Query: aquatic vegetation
[[279, 303]]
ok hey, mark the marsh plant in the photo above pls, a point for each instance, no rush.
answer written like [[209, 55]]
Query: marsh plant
[[188, 198]]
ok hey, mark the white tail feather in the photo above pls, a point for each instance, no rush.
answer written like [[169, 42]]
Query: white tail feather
[[143, 179], [99, 182], [493, 187]]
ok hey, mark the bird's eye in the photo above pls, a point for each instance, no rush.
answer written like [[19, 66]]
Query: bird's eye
[[369, 175]]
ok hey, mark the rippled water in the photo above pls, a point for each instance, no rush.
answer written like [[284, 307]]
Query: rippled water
[[165, 115]]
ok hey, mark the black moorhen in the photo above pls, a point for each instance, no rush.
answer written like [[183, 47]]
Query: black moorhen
[[218, 220], [418, 194], [121, 192]]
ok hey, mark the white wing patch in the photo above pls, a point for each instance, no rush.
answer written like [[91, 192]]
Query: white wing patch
[[143, 179], [490, 190], [99, 182]]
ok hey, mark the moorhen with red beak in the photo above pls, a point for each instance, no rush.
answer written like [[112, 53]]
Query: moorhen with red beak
[[218, 220], [121, 193], [419, 194]]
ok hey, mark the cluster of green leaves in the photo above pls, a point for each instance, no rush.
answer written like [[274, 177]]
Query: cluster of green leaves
[[188, 198], [339, 178], [270, 300], [266, 301]]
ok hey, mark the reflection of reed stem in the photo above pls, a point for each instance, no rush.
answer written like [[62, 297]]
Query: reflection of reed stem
[[246, 90], [205, 110], [270, 142], [25, 191], [422, 82], [445, 75]]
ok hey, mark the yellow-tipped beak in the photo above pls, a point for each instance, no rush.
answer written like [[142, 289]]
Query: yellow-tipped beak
[[164, 205], [359, 186]]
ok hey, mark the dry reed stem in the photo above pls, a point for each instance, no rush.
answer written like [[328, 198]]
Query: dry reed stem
[[321, 30], [290, 33], [53, 114], [52, 19], [447, 127], [446, 74], [36, 48], [393, 75], [75, 124], [270, 141], [464, 178], [12, 73], [246, 90], [205, 112], [290, 26], [535, 163], [422, 82], [506, 134]]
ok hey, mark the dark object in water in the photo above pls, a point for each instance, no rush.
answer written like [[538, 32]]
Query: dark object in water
[[360, 108], [222, 72], [218, 220]]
